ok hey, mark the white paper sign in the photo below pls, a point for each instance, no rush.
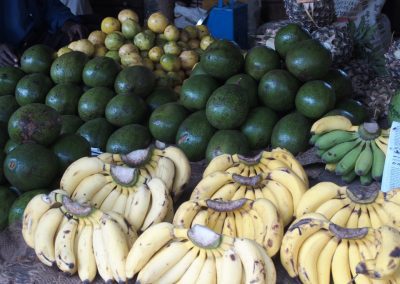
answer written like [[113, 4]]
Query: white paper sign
[[391, 172]]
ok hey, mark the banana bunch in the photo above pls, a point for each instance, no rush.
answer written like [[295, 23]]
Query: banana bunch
[[166, 254], [131, 192], [263, 162], [314, 248], [167, 163], [255, 220], [352, 206], [281, 186], [77, 238], [351, 151]]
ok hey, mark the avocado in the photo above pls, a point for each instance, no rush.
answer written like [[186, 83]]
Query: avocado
[[340, 82], [292, 132], [126, 109], [277, 89], [196, 90], [7, 197], [227, 142], [93, 102], [68, 67], [100, 72], [194, 134], [10, 145], [161, 96], [227, 107], [2, 178], [8, 104], [64, 98], [165, 121], [17, 209], [289, 36], [128, 138], [342, 112], [30, 166], [310, 60], [9, 77], [96, 132], [34, 123], [197, 70], [260, 60], [315, 98], [137, 80], [70, 124], [258, 127], [249, 84], [356, 108], [32, 88], [37, 59]]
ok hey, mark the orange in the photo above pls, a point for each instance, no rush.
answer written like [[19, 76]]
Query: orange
[[110, 24], [127, 14], [97, 37], [157, 22]]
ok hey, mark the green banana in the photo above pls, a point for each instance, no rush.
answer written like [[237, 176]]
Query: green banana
[[348, 162], [330, 139], [364, 161], [366, 179], [348, 178], [314, 138], [320, 152], [337, 152], [378, 162]]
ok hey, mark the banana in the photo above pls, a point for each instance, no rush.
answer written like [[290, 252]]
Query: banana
[[212, 218], [340, 264], [366, 179], [249, 194], [341, 217], [329, 208], [220, 223], [348, 178], [193, 272], [330, 167], [160, 263], [381, 146], [382, 215], [237, 169], [365, 160], [229, 228], [166, 172], [383, 140], [363, 220], [284, 200], [274, 164], [102, 194], [159, 203], [248, 226], [85, 255], [88, 187], [129, 231], [64, 247], [79, 170], [115, 245], [330, 123], [209, 185], [348, 162], [308, 256], [258, 194], [269, 266], [219, 164], [324, 261], [185, 214], [229, 267], [392, 209], [35, 209], [111, 199], [139, 206], [314, 138], [387, 260], [45, 234], [378, 162], [100, 254], [226, 192], [201, 218], [208, 273], [353, 220], [375, 221], [238, 223], [240, 193], [337, 152], [385, 132], [330, 139], [148, 243], [120, 202], [354, 259]]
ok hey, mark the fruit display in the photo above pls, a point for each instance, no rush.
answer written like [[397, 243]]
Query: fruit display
[[167, 254], [243, 218], [392, 58], [351, 151], [351, 206], [316, 250]]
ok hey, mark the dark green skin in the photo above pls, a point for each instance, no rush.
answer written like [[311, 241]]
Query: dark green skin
[[227, 142], [227, 107], [9, 77], [17, 209], [356, 108], [96, 132], [342, 112], [136, 80], [315, 98], [198, 70], [8, 104], [249, 84], [277, 89], [128, 138], [309, 60], [161, 96], [394, 108], [10, 145], [218, 56], [3, 134], [68, 67], [37, 59], [194, 134], [196, 91], [340, 82], [7, 197], [165, 121], [92, 104], [100, 72], [32, 88], [126, 109], [258, 127], [292, 132], [69, 148], [289, 36], [70, 124], [64, 98], [2, 178], [31, 166], [260, 60], [34, 123]]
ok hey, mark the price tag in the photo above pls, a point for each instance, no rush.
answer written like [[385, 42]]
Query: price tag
[[391, 172]]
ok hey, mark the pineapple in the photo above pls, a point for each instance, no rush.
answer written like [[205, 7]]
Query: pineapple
[[392, 57], [338, 40], [267, 32], [311, 14], [378, 96], [360, 73]]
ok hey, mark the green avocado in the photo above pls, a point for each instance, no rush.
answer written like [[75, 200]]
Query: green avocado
[[8, 104], [70, 124], [32, 88], [288, 37], [9, 78], [96, 132], [64, 98], [37, 59], [100, 72], [196, 90], [249, 84], [136, 80], [17, 209], [128, 138], [7, 197], [68, 67], [260, 60], [227, 142], [92, 104], [161, 96], [126, 109]]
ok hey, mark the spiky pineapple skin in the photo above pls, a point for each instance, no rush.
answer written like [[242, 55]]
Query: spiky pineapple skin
[[392, 57], [360, 73], [266, 33], [311, 15]]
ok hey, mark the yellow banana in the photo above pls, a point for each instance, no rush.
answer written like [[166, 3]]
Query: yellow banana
[[229, 228], [330, 123], [111, 199], [219, 164], [381, 146], [65, 247], [341, 217], [166, 172], [201, 218], [208, 273], [85, 256], [186, 213], [102, 194], [354, 259], [120, 202], [129, 230], [88, 187], [363, 220], [100, 254], [340, 264], [282, 199], [226, 192], [353, 220], [139, 206], [375, 221], [210, 184], [329, 208], [324, 261], [229, 268]]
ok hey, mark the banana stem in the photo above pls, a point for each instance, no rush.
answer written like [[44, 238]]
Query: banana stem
[[125, 176], [250, 160], [75, 208], [363, 194], [347, 233], [138, 157], [248, 181], [204, 237], [369, 130], [225, 206]]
